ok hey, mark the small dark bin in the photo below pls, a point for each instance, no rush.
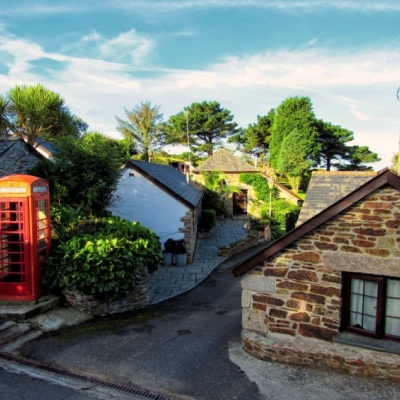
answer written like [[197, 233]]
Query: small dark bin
[[177, 248]]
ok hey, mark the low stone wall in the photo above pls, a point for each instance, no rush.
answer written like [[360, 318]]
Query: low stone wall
[[240, 246], [137, 298], [313, 353]]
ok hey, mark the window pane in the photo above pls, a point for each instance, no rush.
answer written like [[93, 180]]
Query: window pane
[[357, 286], [393, 308], [356, 320], [371, 288], [392, 326], [393, 288], [363, 304], [370, 305], [392, 312], [369, 323], [356, 303]]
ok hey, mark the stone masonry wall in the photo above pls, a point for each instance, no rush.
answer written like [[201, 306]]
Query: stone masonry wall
[[135, 299], [296, 295], [190, 225], [252, 209]]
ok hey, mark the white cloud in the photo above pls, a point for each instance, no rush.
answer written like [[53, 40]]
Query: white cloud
[[127, 47], [356, 91], [130, 43]]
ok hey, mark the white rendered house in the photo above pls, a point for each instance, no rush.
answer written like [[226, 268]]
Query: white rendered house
[[160, 198]]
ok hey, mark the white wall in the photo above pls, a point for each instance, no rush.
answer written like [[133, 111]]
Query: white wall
[[138, 199]]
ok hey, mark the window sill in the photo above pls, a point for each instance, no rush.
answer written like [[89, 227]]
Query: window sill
[[353, 339]]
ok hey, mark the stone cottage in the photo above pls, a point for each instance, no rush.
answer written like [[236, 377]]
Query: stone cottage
[[159, 197], [243, 202], [327, 294], [18, 157]]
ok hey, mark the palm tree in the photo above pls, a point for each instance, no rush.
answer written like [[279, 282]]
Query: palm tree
[[143, 128], [218, 190], [5, 117], [40, 112]]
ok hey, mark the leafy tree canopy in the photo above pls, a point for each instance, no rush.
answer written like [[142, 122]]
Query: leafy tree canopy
[[143, 128], [33, 111], [333, 140], [294, 114], [255, 139], [356, 157], [294, 161], [205, 123], [396, 163], [83, 173], [6, 116]]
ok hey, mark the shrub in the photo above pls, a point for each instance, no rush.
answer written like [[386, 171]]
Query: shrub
[[208, 220], [102, 257], [214, 201], [260, 185], [284, 217]]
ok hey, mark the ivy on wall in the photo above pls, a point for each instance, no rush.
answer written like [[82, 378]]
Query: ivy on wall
[[284, 214]]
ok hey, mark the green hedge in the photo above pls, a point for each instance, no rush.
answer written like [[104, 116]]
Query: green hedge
[[208, 220], [102, 257]]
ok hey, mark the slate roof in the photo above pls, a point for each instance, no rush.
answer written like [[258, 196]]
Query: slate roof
[[44, 147], [383, 178], [170, 180], [225, 161], [17, 157], [327, 187]]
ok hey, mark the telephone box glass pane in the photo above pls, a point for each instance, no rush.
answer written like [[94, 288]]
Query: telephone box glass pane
[[42, 227], [12, 242]]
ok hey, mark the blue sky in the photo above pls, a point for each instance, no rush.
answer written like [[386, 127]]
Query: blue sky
[[104, 56]]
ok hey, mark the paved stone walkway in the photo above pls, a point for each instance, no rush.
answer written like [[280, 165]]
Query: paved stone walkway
[[171, 281]]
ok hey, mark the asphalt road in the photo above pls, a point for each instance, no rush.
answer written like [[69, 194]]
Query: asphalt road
[[22, 387], [189, 347]]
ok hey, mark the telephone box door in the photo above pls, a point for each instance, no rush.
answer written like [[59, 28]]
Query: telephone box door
[[15, 274], [24, 236]]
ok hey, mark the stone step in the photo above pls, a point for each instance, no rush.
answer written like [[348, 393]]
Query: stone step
[[5, 324], [20, 311], [12, 332], [11, 345]]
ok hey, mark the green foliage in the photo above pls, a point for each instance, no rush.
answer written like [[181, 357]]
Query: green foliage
[[208, 220], [101, 257], [259, 184], [6, 117], [83, 173], [355, 157], [215, 181], [396, 163], [205, 123], [143, 128], [255, 139], [37, 111], [293, 114], [294, 161], [64, 218], [212, 200], [216, 190], [333, 140], [284, 216]]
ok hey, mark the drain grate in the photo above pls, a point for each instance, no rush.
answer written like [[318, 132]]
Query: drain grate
[[146, 394]]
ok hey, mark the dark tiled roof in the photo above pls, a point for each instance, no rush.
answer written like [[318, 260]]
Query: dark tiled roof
[[171, 180], [45, 147], [224, 161], [327, 187], [16, 157], [381, 179]]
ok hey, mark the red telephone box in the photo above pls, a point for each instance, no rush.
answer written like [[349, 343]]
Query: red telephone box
[[24, 236]]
